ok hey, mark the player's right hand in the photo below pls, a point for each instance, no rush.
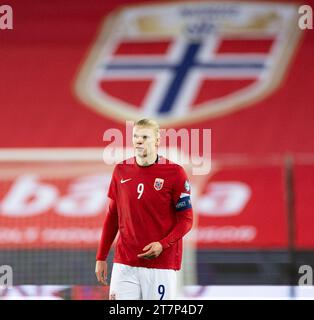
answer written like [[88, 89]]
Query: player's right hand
[[101, 271]]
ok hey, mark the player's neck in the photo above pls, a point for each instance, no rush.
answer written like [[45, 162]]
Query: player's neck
[[146, 161]]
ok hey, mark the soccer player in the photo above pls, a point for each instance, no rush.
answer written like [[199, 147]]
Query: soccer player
[[150, 206]]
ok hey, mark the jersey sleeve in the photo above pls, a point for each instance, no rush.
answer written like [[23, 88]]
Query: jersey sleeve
[[182, 191], [109, 231], [183, 209], [112, 191], [110, 226]]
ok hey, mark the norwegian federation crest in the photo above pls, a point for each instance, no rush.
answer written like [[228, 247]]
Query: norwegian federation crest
[[158, 184], [179, 62]]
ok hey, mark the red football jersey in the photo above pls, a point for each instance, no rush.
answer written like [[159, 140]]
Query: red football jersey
[[148, 204]]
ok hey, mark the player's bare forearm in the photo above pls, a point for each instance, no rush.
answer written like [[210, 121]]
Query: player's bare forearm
[[153, 250]]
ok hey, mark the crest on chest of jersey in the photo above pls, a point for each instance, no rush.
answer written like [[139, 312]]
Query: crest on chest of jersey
[[158, 184]]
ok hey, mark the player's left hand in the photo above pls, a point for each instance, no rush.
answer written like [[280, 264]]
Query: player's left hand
[[153, 250]]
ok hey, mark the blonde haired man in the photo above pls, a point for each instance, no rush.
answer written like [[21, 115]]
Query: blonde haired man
[[150, 206]]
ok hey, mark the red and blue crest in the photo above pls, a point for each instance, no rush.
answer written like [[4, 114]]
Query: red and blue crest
[[158, 184], [185, 61]]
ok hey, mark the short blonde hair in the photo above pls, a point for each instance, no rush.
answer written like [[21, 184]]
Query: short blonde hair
[[149, 123]]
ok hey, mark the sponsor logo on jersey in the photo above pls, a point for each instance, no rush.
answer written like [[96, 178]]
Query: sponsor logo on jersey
[[125, 180], [158, 184], [179, 62]]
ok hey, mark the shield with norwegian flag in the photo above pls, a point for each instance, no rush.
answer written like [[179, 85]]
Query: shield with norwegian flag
[[187, 61], [158, 184]]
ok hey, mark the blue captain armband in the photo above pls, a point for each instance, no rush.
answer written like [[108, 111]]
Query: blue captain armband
[[184, 203]]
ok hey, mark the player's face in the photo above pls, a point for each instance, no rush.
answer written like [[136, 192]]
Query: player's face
[[144, 141]]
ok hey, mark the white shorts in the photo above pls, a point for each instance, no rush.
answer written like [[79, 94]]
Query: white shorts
[[137, 283]]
